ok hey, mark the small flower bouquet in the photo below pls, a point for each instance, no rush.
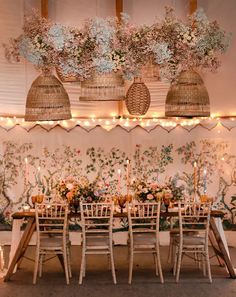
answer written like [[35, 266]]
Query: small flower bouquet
[[149, 192], [68, 189], [73, 190]]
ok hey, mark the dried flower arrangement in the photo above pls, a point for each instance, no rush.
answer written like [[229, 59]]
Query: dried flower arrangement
[[106, 45]]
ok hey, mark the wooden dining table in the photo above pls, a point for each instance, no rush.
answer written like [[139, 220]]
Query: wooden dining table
[[217, 238]]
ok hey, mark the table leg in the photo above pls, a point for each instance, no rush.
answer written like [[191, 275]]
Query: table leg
[[223, 251], [19, 253], [15, 239]]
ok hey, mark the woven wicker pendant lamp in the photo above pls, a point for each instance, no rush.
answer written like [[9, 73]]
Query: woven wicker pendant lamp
[[188, 97], [150, 72], [103, 87], [138, 98], [47, 100]]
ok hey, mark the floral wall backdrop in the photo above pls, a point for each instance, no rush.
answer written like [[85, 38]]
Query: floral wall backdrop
[[36, 161]]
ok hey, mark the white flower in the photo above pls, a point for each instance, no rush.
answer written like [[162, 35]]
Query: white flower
[[69, 186], [145, 190]]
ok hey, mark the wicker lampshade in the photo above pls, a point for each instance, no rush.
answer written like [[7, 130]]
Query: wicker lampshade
[[188, 97], [103, 87], [150, 72], [138, 98], [47, 100]]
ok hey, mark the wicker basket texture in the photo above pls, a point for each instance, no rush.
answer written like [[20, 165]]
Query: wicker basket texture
[[138, 98], [47, 100], [103, 87], [188, 97]]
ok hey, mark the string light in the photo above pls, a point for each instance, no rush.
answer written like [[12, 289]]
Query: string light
[[124, 121]]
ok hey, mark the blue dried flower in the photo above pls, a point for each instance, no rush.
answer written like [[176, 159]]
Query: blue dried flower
[[161, 52], [103, 65], [57, 35]]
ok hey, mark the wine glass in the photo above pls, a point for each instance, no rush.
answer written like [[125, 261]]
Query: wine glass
[[122, 201]]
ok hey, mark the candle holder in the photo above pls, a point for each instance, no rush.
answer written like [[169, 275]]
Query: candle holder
[[122, 199], [37, 199]]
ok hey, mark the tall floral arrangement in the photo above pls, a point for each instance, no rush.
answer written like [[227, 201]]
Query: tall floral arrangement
[[150, 192], [178, 45], [129, 48], [104, 45], [81, 189], [34, 44]]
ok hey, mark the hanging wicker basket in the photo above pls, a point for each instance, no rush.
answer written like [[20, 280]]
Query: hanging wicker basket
[[47, 100], [103, 87], [188, 97], [138, 98], [66, 78], [150, 72]]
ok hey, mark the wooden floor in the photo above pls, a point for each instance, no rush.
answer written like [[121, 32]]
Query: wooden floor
[[98, 281]]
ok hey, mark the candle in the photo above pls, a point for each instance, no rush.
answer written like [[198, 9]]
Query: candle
[[128, 175], [204, 180], [195, 177], [119, 180], [26, 208]]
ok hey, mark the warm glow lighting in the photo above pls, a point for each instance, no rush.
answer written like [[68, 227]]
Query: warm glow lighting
[[110, 123], [86, 123]]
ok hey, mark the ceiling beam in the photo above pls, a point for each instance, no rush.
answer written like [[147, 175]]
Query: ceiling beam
[[119, 9], [44, 8], [192, 6]]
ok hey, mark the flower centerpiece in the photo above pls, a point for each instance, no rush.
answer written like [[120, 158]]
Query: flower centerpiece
[[150, 192], [177, 45], [75, 190]]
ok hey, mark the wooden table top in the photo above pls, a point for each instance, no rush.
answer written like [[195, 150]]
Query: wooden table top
[[31, 214]]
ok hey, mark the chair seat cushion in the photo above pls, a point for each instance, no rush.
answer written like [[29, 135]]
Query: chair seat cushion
[[191, 240], [52, 243], [144, 239], [97, 241]]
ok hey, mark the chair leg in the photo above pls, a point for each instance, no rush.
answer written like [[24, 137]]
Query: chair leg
[[175, 260], [131, 261], [66, 266], [82, 267], [179, 260], [112, 265], [36, 265], [159, 263], [69, 261], [208, 265], [203, 264], [156, 264], [41, 265]]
